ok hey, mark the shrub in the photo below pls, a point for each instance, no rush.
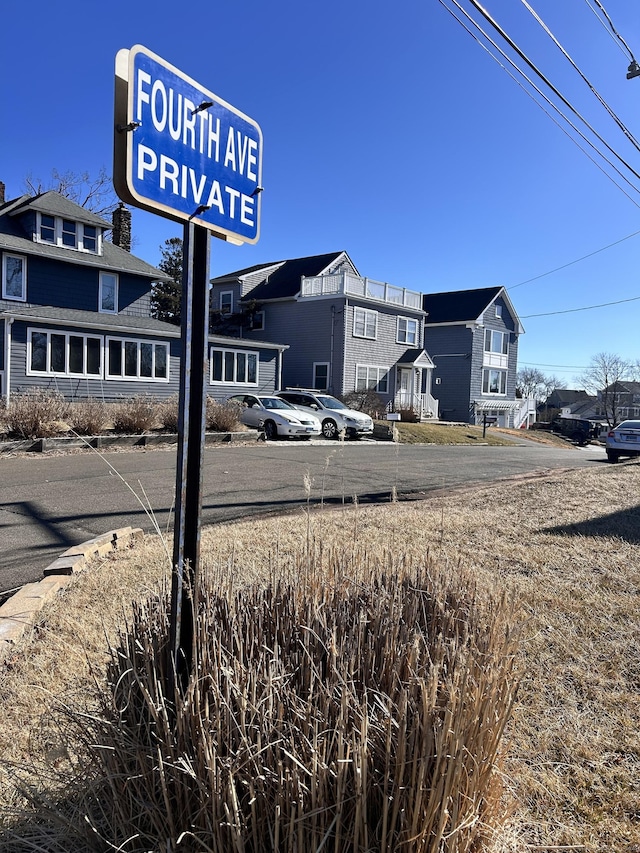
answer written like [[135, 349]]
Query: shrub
[[36, 414], [169, 414], [367, 401], [135, 415], [89, 417], [342, 716], [223, 417]]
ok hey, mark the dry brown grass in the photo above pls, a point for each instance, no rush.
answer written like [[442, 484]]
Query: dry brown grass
[[567, 544]]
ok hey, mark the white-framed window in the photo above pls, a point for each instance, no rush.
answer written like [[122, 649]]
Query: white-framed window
[[108, 293], [365, 323], [496, 342], [68, 233], [226, 302], [494, 381], [321, 375], [238, 367], [407, 331], [129, 358], [499, 311], [372, 376], [14, 277], [63, 353]]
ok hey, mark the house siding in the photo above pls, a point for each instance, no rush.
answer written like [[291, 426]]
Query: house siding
[[451, 348], [314, 332]]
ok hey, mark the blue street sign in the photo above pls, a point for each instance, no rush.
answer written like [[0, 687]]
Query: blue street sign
[[182, 151]]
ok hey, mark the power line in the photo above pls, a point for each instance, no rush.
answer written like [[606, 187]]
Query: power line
[[602, 101], [547, 82], [615, 35], [570, 263], [586, 308], [542, 95]]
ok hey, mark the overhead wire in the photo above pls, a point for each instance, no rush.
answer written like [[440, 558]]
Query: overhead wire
[[493, 23], [585, 308], [592, 88], [615, 35], [542, 95]]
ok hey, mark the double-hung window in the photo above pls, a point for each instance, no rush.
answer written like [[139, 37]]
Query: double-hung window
[[14, 277], [238, 367], [495, 341], [407, 331], [108, 293], [365, 323], [226, 302], [321, 375], [68, 233]]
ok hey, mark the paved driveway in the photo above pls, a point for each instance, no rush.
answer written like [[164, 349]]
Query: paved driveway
[[48, 503]]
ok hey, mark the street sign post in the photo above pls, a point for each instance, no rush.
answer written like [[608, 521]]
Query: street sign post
[[183, 152]]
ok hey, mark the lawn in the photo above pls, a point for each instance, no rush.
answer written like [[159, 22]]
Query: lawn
[[566, 546]]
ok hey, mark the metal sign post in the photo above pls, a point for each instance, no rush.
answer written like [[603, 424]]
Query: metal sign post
[[191, 433]]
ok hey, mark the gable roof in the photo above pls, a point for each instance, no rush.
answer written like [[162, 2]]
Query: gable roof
[[458, 306], [282, 278], [58, 205], [465, 306]]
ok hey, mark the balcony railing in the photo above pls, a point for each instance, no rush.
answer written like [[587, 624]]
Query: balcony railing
[[346, 284]]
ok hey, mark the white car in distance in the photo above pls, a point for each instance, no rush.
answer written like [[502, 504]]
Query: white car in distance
[[276, 417]]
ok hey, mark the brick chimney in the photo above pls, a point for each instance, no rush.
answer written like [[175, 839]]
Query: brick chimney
[[2, 192], [121, 219]]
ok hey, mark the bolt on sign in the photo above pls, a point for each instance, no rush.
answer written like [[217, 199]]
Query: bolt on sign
[[182, 152]]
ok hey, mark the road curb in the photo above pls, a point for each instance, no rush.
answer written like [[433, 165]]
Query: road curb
[[18, 614]]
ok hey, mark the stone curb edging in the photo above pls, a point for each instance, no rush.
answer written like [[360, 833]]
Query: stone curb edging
[[19, 612]]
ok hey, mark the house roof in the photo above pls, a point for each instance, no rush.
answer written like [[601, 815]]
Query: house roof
[[116, 322], [13, 237], [417, 357], [458, 306], [282, 278]]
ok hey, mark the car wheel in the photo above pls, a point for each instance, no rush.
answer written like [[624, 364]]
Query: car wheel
[[612, 456], [329, 429], [270, 431], [578, 437]]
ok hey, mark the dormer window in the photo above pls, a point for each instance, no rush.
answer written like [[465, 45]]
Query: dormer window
[[68, 233]]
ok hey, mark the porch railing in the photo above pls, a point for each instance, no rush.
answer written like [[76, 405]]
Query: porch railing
[[346, 284], [424, 405]]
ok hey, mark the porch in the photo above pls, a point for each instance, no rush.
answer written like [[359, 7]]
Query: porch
[[423, 404], [347, 284]]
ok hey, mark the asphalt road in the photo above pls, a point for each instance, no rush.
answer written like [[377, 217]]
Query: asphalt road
[[49, 503]]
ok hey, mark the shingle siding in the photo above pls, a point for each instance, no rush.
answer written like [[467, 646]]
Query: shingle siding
[[450, 348]]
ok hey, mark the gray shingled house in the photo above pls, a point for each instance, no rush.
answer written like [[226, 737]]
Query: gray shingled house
[[75, 312], [472, 336], [345, 332]]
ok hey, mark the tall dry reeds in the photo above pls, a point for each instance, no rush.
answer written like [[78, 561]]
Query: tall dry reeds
[[325, 714]]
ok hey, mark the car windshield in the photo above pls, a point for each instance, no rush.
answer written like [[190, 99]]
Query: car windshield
[[629, 425], [275, 403], [330, 402]]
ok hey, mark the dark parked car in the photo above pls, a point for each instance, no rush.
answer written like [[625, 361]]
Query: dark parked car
[[577, 429], [623, 440]]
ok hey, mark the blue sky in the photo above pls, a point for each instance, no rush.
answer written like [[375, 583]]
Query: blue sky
[[389, 132]]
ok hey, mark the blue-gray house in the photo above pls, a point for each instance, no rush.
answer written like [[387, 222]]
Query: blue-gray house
[[345, 332], [472, 337], [75, 312]]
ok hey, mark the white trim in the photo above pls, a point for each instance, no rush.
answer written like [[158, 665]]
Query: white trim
[[66, 371], [416, 341], [225, 293], [16, 257], [224, 351], [488, 370], [381, 372], [59, 232], [101, 308], [326, 364], [368, 315], [139, 342]]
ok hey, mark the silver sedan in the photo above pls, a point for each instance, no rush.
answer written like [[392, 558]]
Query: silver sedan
[[276, 417]]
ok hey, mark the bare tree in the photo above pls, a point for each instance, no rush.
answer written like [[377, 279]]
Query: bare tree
[[604, 377], [95, 194], [530, 382]]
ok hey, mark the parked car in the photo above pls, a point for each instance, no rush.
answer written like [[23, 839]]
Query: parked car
[[623, 440], [336, 418], [577, 429], [276, 417]]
